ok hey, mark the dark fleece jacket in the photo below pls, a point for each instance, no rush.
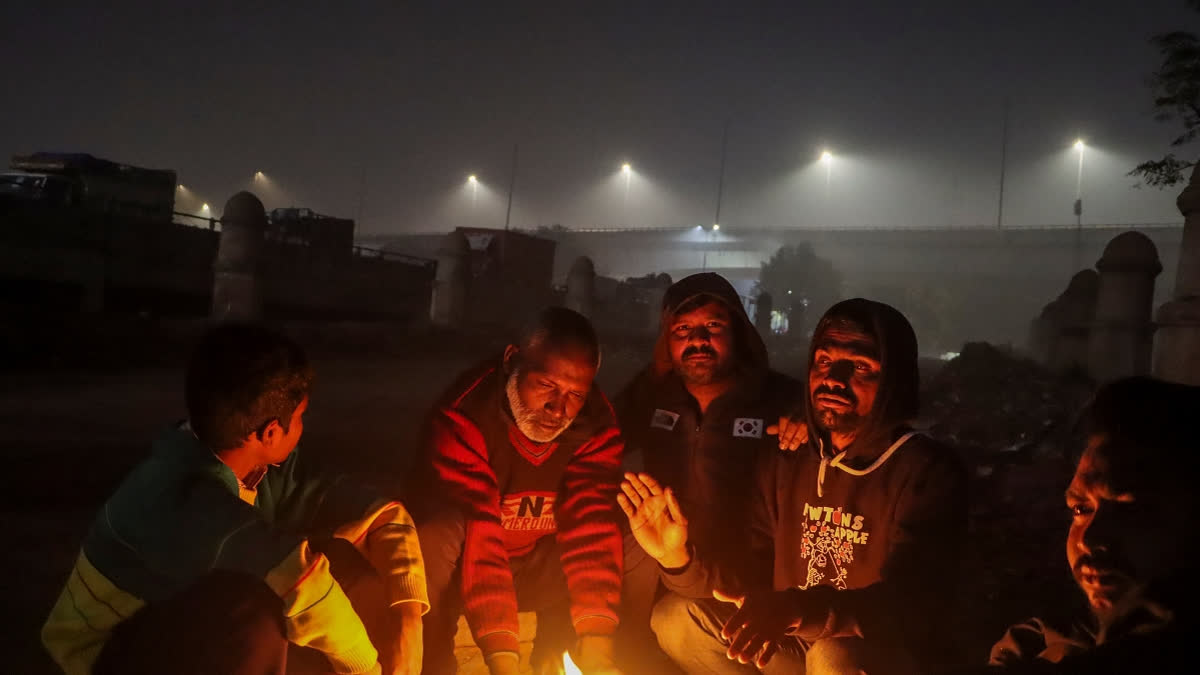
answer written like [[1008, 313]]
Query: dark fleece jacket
[[883, 522], [708, 459]]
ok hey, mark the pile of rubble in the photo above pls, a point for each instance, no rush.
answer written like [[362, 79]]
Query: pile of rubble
[[1012, 420], [992, 403]]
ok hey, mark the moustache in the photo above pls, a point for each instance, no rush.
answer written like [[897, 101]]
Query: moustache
[[699, 349], [840, 393], [1104, 564]]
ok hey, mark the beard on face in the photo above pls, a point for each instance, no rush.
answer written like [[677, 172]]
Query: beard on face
[[702, 372], [836, 420], [537, 425], [1108, 585]]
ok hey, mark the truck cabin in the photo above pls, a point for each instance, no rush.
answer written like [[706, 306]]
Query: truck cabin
[[41, 188]]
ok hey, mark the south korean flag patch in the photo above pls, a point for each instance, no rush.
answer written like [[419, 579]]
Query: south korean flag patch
[[747, 427], [664, 419]]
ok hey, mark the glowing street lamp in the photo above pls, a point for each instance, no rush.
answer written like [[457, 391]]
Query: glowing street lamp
[[827, 160], [474, 183]]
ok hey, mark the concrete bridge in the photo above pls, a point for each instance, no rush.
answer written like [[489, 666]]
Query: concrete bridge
[[991, 282]]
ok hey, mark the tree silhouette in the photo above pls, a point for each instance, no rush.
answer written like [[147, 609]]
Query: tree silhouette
[[801, 283], [1176, 87]]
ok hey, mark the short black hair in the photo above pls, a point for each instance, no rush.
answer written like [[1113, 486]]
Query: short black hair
[[1149, 429], [241, 377], [561, 328]]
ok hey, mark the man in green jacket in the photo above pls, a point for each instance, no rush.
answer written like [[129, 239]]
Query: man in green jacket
[[221, 547]]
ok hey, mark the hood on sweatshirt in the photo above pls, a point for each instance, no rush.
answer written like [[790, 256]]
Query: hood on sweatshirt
[[897, 401], [751, 352]]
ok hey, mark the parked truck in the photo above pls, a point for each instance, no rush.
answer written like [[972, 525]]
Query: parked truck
[[81, 181], [326, 235]]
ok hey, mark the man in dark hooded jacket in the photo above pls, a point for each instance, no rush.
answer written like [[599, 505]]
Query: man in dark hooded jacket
[[855, 539], [1131, 544], [696, 419]]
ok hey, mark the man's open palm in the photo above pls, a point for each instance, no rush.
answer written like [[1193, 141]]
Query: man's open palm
[[655, 518]]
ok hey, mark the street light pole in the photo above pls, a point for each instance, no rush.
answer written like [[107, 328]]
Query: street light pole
[[512, 185], [721, 175], [1079, 208], [1003, 164]]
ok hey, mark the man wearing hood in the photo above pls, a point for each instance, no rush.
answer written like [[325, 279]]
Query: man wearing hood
[[1130, 546], [855, 539], [696, 419]]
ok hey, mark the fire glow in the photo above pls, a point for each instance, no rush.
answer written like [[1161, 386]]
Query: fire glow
[[569, 667]]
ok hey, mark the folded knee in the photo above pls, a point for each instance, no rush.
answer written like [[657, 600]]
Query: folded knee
[[835, 656], [672, 620]]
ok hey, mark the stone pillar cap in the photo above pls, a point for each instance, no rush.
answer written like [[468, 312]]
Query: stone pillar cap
[[583, 265], [454, 243], [245, 209], [1131, 251]]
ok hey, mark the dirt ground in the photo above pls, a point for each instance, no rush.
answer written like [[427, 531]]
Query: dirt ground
[[69, 434]]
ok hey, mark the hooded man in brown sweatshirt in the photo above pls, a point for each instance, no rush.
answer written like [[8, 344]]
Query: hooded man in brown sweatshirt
[[854, 540]]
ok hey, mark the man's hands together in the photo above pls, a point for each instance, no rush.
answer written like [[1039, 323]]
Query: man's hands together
[[593, 655], [760, 622], [657, 521]]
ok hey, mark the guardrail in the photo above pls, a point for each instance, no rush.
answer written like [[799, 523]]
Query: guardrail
[[201, 221], [382, 254]]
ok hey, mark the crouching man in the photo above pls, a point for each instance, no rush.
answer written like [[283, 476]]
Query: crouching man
[[221, 547], [1131, 545], [854, 539], [518, 509]]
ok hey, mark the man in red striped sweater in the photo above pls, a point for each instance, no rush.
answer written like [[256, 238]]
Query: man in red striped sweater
[[516, 506]]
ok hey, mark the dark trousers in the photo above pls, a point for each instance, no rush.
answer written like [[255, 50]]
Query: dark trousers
[[226, 622], [637, 649], [690, 633], [230, 622], [538, 577]]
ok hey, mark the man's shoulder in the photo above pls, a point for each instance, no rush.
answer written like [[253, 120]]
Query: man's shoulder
[[167, 510], [922, 449], [777, 393], [470, 386], [644, 384]]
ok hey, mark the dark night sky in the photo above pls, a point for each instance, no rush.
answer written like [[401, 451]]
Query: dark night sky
[[908, 95]]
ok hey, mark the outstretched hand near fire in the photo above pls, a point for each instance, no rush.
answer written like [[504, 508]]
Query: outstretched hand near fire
[[760, 622], [657, 521]]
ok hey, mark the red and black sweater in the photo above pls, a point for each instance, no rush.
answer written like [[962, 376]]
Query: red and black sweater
[[515, 491]]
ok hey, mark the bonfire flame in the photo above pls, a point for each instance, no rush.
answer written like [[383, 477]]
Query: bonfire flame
[[569, 666]]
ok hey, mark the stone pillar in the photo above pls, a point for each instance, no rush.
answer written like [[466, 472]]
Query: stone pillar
[[762, 314], [1121, 336], [237, 293], [448, 306], [1075, 312], [1177, 339], [1043, 332], [581, 287]]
